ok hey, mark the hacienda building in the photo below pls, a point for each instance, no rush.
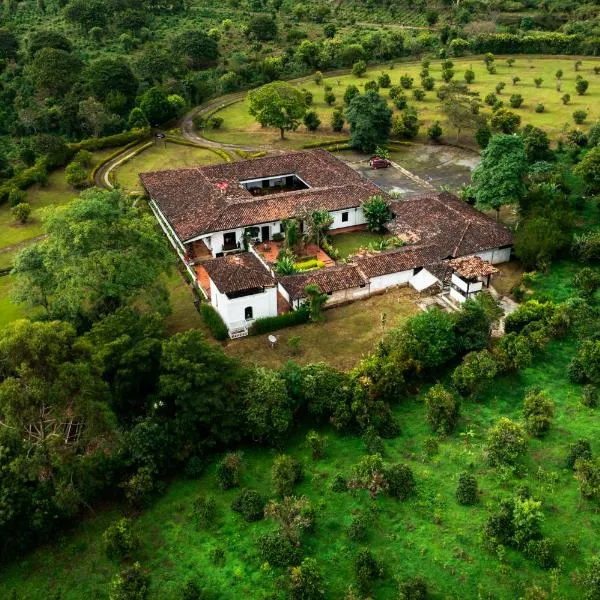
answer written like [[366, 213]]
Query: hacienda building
[[222, 219]]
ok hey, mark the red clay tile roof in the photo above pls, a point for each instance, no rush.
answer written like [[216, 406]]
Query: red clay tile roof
[[472, 267], [401, 259], [449, 223], [329, 280], [207, 199], [238, 273]]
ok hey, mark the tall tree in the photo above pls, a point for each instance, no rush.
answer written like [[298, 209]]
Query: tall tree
[[196, 47], [499, 178], [370, 120], [278, 104], [55, 71], [101, 253], [459, 105]]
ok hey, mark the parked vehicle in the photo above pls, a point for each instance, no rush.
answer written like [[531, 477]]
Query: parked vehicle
[[376, 162]]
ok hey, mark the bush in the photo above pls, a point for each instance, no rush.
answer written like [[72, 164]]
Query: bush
[[406, 81], [540, 108], [578, 449], [500, 86], [490, 99], [428, 83], [215, 122], [311, 120], [516, 100], [586, 282], [413, 589], [589, 396], [506, 443], [357, 531], [373, 441], [214, 321], [21, 212], [359, 68], [119, 541], [541, 552], [435, 131], [337, 119], [228, 471], [194, 467], [581, 85], [268, 324], [204, 511], [110, 141], [131, 583], [565, 99], [76, 175], [278, 551], [384, 80], [250, 504], [579, 116], [285, 473], [139, 487], [191, 591], [317, 444], [418, 94], [400, 481], [366, 568], [466, 491], [306, 582], [442, 408]]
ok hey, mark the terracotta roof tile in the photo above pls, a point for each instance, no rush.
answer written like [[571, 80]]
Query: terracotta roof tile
[[401, 259], [472, 267], [238, 273], [207, 199], [329, 280]]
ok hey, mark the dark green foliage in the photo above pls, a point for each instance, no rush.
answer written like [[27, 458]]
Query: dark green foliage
[[589, 169], [366, 569], [580, 449], [311, 120], [250, 504], [406, 124], [589, 396], [536, 144], [466, 491], [581, 85], [306, 581], [591, 579], [377, 213], [214, 321], [47, 38], [119, 541], [586, 282], [286, 473], [516, 100], [337, 119], [531, 311], [107, 75], [442, 408], [132, 583], [413, 589], [351, 92], [542, 552], [370, 121], [196, 47], [357, 531], [228, 470], [268, 324], [278, 550], [191, 591], [263, 27], [505, 121], [435, 131], [384, 80], [204, 511], [400, 481], [371, 86], [373, 442], [155, 106]]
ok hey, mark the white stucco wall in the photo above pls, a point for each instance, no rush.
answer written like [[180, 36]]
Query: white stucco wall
[[338, 296], [496, 256], [355, 217], [385, 281], [232, 310]]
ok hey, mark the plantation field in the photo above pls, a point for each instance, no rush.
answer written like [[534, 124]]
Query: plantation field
[[240, 127], [159, 158], [429, 534]]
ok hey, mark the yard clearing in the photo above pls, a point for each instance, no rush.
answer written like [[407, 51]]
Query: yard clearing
[[346, 335], [241, 128]]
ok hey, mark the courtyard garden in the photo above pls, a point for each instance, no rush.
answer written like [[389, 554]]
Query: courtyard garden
[[240, 127], [350, 243]]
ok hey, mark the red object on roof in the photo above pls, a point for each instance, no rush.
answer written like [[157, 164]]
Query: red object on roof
[[222, 185]]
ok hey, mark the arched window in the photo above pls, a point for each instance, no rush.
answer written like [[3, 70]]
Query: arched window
[[248, 313]]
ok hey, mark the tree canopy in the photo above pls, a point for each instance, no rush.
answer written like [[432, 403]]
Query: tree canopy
[[370, 120]]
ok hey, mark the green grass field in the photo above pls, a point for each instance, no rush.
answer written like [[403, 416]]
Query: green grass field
[[430, 534], [239, 126], [159, 158], [349, 243]]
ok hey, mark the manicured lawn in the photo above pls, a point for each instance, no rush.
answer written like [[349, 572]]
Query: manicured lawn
[[239, 126], [349, 243], [429, 534], [347, 333], [159, 157]]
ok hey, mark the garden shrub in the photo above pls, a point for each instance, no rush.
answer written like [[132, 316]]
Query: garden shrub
[[513, 352], [413, 589], [586, 282], [538, 411], [579, 116], [317, 444], [250, 504], [442, 408], [268, 324], [373, 441], [575, 370], [506, 443], [578, 449], [204, 511], [541, 552], [306, 581], [278, 550], [119, 540], [311, 120], [110, 141], [366, 569], [286, 473], [139, 487], [132, 583], [474, 372], [214, 321], [466, 491], [400, 481], [529, 312], [591, 579], [228, 470], [589, 396], [339, 483], [357, 531]]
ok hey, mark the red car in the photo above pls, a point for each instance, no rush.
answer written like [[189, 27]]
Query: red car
[[376, 162]]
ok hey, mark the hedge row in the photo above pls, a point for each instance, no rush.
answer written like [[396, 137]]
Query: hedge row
[[268, 324], [534, 43], [214, 321], [217, 151], [325, 144], [110, 141]]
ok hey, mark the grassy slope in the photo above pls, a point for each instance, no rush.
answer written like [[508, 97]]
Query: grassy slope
[[239, 126], [429, 534]]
